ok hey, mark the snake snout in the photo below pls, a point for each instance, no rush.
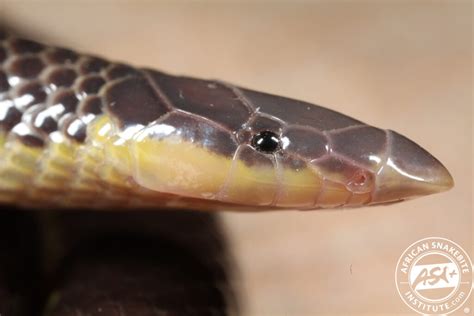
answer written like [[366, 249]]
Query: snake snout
[[410, 171]]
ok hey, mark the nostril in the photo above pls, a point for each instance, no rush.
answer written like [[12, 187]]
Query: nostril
[[361, 182], [360, 179]]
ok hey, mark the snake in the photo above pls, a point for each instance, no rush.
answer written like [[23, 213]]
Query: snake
[[80, 131]]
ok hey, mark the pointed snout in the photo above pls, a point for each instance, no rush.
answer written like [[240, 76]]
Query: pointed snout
[[410, 171]]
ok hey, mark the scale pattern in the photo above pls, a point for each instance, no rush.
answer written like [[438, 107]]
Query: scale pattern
[[63, 116], [48, 96]]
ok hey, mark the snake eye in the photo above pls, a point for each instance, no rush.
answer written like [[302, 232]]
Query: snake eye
[[266, 141]]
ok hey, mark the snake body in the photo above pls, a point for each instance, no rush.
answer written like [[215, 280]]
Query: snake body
[[80, 131]]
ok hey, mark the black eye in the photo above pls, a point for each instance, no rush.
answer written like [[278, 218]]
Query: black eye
[[267, 142]]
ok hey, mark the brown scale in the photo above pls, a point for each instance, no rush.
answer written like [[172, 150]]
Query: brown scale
[[45, 122], [90, 105], [360, 144], [90, 84], [92, 65], [306, 143], [21, 46], [67, 98], [28, 94], [262, 123], [75, 128], [26, 67], [11, 117], [60, 56], [133, 101], [118, 71], [61, 77]]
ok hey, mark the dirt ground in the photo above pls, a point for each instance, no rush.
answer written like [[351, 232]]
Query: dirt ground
[[402, 65]]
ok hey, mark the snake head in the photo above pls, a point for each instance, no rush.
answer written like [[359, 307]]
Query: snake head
[[216, 142]]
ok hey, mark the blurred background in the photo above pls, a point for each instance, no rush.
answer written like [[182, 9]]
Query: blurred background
[[402, 65]]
